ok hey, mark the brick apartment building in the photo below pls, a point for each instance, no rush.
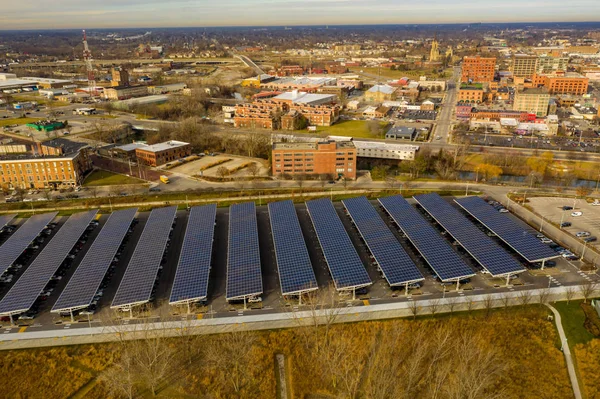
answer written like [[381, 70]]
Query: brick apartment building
[[161, 153], [562, 83], [524, 66], [337, 159], [59, 164], [281, 114], [478, 69]]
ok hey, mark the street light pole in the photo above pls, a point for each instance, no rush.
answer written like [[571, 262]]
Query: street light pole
[[542, 224]]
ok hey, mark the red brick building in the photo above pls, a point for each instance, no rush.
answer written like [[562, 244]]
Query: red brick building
[[161, 153], [561, 83], [337, 159], [478, 69]]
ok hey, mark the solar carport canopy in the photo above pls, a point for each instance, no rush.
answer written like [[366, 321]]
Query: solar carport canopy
[[296, 274], [436, 251], [481, 247], [345, 266], [82, 287], [20, 239], [138, 281], [508, 230], [4, 219], [191, 278], [397, 267], [26, 290], [244, 277]]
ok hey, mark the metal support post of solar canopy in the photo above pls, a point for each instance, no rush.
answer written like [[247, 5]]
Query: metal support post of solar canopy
[[406, 289], [245, 303], [71, 313], [457, 285], [543, 264], [188, 307], [507, 279]]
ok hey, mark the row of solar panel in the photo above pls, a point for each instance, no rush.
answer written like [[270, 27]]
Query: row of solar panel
[[244, 276]]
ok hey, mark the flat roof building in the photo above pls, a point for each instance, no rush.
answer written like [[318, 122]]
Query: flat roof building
[[478, 69], [374, 149], [332, 158], [161, 153], [534, 101]]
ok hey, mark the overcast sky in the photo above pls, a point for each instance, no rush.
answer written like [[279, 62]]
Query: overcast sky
[[44, 14]]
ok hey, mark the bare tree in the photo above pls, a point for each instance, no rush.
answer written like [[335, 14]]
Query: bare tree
[[391, 182], [544, 296], [222, 172], [505, 299], [20, 193], [570, 293], [120, 379], [254, 169], [434, 306], [451, 304], [470, 304], [94, 191], [587, 290], [488, 304], [524, 297], [414, 308], [231, 354]]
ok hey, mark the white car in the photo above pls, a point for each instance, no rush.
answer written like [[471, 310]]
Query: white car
[[574, 214], [595, 203], [582, 234], [547, 241]]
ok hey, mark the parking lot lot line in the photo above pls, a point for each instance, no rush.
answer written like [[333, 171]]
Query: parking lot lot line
[[22, 329]]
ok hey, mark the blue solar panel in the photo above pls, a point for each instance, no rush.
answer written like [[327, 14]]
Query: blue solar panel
[[296, 274], [20, 239], [191, 278], [446, 263], [481, 247], [397, 267], [244, 278], [344, 264], [140, 276], [507, 229], [84, 284], [4, 219], [29, 286]]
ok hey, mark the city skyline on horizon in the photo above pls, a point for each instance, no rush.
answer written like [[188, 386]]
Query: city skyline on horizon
[[98, 14]]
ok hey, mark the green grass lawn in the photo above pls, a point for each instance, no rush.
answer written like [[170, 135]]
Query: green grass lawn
[[572, 320], [105, 178], [350, 129], [17, 121]]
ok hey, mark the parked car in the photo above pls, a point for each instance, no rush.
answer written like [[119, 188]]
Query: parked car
[[590, 239], [546, 240], [582, 234], [575, 214], [567, 208], [565, 224]]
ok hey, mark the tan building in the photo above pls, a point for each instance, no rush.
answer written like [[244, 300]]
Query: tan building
[[381, 93], [337, 159], [548, 64], [478, 69], [62, 164], [534, 101], [162, 153], [471, 94], [524, 66], [124, 92]]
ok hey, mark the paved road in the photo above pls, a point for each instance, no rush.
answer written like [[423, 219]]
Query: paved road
[[567, 352], [444, 123]]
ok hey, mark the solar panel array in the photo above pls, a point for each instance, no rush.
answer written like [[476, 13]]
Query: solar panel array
[[295, 269], [138, 281], [21, 238], [28, 287], [4, 219], [345, 266], [507, 229], [446, 263], [244, 276], [481, 247], [397, 267], [191, 278], [82, 287]]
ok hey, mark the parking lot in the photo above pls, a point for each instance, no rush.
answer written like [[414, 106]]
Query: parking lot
[[586, 145], [588, 222], [564, 272]]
